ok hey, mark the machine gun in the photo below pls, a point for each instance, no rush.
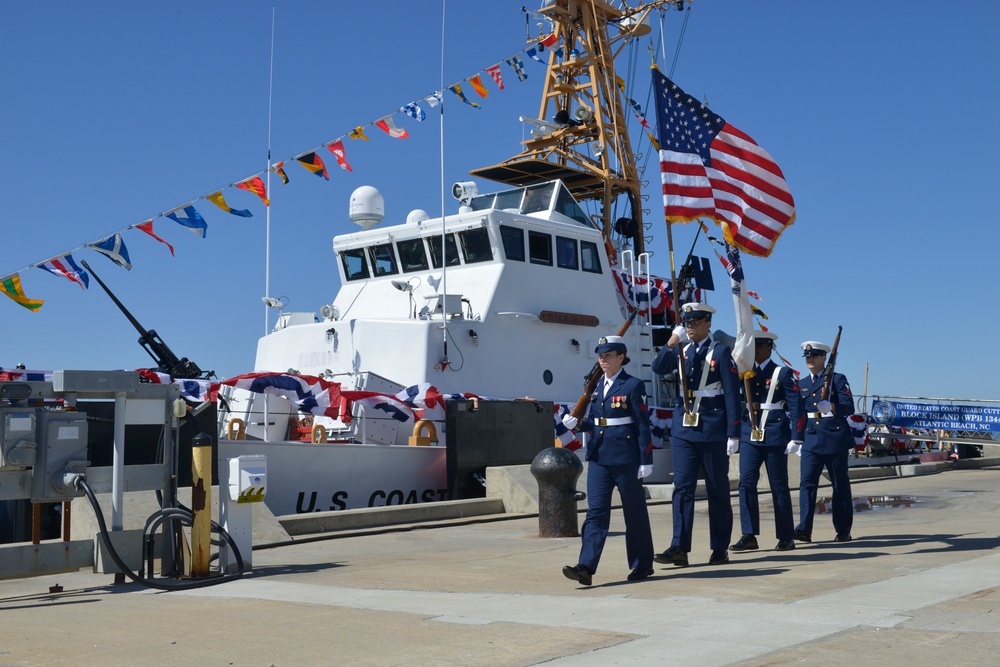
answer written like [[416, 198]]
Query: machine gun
[[166, 361]]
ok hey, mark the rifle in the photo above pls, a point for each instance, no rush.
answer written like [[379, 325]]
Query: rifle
[[166, 361], [830, 365], [756, 429], [595, 374]]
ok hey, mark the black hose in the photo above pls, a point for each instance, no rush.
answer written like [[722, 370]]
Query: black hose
[[81, 483]]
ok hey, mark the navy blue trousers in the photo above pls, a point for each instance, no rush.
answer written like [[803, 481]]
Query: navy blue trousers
[[687, 457], [842, 506], [601, 482], [752, 456]]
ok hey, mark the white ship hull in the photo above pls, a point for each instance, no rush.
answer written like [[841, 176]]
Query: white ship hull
[[306, 477]]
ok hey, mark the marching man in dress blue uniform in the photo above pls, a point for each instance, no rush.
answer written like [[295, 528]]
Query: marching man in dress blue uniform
[[771, 431], [706, 435], [828, 442], [619, 454]]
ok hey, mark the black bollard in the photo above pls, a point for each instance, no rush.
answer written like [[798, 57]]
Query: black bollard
[[556, 470]]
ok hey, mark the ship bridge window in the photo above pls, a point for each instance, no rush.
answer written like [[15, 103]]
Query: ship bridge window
[[452, 250], [540, 248], [568, 206], [509, 199], [355, 267], [412, 256], [476, 245], [383, 260], [590, 258], [537, 198], [513, 242], [482, 202], [566, 253]]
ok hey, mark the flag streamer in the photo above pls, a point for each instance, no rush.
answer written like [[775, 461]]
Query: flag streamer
[[11, 286], [187, 216]]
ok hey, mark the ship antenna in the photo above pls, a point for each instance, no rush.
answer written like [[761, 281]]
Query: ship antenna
[[267, 214], [444, 245], [680, 40]]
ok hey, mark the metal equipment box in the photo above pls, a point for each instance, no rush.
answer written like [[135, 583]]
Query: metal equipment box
[[94, 381], [497, 433]]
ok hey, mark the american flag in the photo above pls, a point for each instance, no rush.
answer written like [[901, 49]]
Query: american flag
[[711, 169]]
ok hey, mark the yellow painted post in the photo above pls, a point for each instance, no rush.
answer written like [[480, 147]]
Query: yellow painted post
[[201, 504]]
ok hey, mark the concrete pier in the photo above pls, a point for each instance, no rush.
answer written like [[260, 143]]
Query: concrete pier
[[919, 585]]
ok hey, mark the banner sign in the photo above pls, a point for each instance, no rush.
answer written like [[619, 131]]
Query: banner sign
[[982, 418]]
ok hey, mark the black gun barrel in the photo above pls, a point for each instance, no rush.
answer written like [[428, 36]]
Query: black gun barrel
[[166, 360], [118, 303]]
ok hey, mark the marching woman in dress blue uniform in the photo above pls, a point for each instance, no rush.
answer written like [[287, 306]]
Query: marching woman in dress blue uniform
[[774, 432], [828, 442], [619, 454], [706, 436]]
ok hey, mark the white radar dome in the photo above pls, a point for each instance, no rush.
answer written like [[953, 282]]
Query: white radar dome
[[417, 215], [367, 207]]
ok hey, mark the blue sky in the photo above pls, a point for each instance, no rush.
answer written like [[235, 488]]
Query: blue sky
[[881, 115]]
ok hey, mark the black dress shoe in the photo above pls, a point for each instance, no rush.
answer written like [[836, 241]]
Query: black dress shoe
[[674, 555], [745, 543], [802, 536], [719, 557], [785, 545], [843, 537], [578, 573], [638, 574]]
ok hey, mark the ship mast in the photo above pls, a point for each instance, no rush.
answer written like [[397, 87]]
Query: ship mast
[[580, 135]]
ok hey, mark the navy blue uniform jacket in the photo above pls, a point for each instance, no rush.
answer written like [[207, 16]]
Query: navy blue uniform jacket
[[827, 435], [721, 416], [782, 425], [625, 444]]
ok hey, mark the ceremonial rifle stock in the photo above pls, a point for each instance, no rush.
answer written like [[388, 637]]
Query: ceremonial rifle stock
[[756, 430], [166, 361], [830, 365], [595, 374]]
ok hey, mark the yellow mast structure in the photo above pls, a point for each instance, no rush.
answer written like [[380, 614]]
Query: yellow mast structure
[[580, 136]]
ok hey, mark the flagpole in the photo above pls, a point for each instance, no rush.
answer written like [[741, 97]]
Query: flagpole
[[864, 400], [673, 278], [677, 318]]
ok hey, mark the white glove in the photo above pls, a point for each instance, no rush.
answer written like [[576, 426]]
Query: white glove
[[732, 446], [570, 422], [681, 333], [793, 447], [824, 406], [798, 452], [645, 471]]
